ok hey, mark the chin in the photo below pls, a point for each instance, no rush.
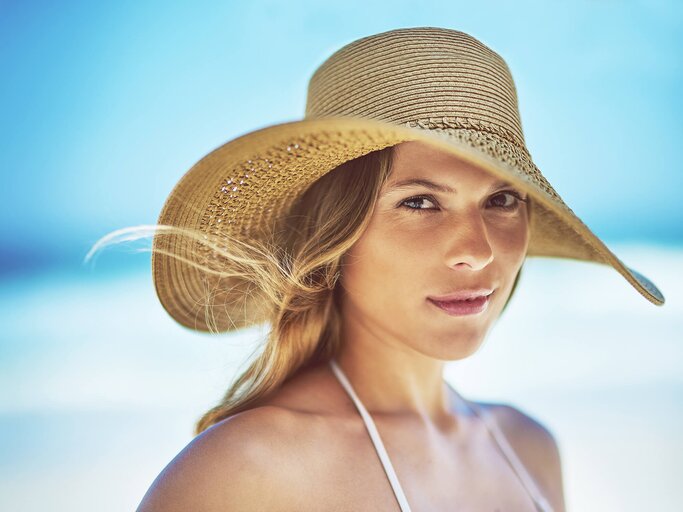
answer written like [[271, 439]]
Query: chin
[[453, 348]]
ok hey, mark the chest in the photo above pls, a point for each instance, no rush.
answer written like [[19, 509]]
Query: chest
[[467, 473]]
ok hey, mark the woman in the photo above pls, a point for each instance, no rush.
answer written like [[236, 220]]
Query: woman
[[358, 233]]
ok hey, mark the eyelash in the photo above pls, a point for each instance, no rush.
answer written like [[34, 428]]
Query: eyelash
[[433, 200]]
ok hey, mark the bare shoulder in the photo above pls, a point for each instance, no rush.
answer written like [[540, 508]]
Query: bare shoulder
[[537, 448], [228, 466]]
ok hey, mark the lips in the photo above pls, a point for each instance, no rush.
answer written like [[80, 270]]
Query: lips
[[470, 306], [463, 295], [463, 302]]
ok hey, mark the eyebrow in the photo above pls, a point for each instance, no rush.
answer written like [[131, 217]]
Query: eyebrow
[[438, 187]]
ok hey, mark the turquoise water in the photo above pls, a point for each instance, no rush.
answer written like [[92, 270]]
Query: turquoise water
[[101, 387]]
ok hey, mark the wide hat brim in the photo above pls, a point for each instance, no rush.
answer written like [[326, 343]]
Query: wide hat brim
[[244, 186]]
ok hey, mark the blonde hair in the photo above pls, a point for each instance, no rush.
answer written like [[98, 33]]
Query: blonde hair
[[296, 272]]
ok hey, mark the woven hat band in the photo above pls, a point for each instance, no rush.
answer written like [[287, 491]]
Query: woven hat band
[[426, 78]]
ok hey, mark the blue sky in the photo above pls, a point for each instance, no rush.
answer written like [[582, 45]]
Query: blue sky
[[106, 104]]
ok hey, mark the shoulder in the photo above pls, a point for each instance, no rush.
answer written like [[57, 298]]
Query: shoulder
[[230, 464], [537, 448]]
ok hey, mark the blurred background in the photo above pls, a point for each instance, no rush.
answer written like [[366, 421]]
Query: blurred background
[[105, 105]]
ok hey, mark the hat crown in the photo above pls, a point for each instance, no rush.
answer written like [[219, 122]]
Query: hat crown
[[426, 76]]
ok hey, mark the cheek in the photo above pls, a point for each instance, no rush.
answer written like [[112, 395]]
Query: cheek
[[511, 242], [387, 260], [510, 251]]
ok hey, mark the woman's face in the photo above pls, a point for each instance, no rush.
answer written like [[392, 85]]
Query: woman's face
[[424, 242]]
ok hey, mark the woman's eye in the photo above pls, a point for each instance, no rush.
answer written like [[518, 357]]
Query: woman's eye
[[507, 200], [516, 202], [419, 200]]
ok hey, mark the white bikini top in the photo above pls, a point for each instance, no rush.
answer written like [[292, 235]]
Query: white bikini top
[[541, 503]]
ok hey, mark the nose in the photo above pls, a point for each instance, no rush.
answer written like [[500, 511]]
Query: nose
[[468, 242]]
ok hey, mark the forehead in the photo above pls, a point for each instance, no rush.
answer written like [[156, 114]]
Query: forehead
[[417, 159]]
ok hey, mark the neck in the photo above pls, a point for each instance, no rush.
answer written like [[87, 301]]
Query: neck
[[395, 381]]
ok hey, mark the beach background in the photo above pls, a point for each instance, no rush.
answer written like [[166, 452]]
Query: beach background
[[105, 106]]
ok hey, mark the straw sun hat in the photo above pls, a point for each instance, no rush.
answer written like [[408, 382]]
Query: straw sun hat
[[436, 85]]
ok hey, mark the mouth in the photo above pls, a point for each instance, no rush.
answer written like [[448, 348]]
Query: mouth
[[476, 303]]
